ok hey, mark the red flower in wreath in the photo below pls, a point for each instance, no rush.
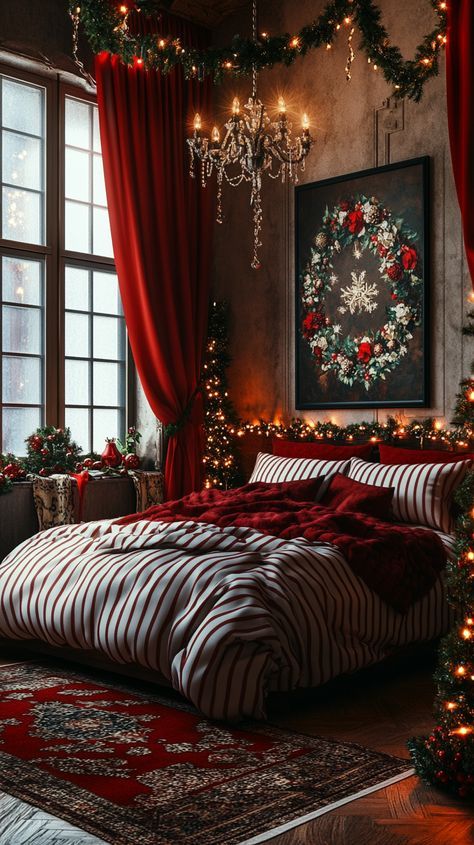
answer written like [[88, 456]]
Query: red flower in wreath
[[364, 353], [382, 250], [313, 321], [409, 257], [344, 205], [355, 222], [395, 272]]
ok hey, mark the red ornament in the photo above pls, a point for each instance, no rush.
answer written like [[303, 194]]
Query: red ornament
[[111, 455], [43, 471], [44, 452], [131, 461], [36, 442], [88, 462], [11, 471], [97, 465], [78, 467]]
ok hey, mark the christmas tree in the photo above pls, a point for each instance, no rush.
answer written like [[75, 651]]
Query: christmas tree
[[446, 757], [220, 459]]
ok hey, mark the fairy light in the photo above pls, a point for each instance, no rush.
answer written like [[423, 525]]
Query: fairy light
[[462, 731], [460, 670], [451, 705]]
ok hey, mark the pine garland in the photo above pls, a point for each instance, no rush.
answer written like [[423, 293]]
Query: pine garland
[[108, 27]]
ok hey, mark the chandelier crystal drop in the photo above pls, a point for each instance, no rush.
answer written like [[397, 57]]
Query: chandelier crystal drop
[[252, 144]]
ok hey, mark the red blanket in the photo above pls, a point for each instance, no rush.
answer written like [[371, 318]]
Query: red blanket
[[397, 562]]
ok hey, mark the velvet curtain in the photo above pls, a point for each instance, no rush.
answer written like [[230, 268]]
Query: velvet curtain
[[161, 223], [460, 94]]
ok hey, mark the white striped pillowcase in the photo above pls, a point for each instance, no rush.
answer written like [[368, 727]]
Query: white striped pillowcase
[[272, 469], [423, 492]]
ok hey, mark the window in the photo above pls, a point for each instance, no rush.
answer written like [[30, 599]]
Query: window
[[64, 353]]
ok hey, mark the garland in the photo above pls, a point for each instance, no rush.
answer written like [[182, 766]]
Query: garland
[[107, 27], [363, 223]]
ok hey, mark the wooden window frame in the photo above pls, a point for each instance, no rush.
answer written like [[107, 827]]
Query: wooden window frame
[[53, 251]]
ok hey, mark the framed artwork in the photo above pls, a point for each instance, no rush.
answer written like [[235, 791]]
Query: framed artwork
[[362, 284]]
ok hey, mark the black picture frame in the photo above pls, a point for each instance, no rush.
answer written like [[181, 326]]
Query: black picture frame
[[396, 193]]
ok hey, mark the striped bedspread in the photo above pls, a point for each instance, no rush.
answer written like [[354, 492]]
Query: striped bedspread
[[227, 615]]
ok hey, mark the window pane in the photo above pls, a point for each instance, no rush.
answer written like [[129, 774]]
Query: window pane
[[22, 379], [77, 289], [77, 419], [22, 281], [18, 424], [77, 233], [106, 424], [22, 161], [96, 130], [108, 384], [106, 294], [100, 197], [77, 341], [109, 338], [78, 128], [22, 107], [77, 382], [101, 233], [22, 330], [77, 175], [22, 216]]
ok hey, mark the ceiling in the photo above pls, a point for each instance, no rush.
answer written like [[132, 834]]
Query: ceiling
[[209, 13]]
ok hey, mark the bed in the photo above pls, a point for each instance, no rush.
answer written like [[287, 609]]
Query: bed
[[231, 595]]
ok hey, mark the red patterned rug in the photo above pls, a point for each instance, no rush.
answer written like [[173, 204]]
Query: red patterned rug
[[131, 766]]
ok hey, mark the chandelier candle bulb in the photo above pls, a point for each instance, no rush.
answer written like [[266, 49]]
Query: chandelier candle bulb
[[215, 135], [281, 105], [197, 123], [235, 106], [305, 122]]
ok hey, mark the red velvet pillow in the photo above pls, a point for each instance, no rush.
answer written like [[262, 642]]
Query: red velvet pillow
[[395, 456], [325, 451], [345, 494]]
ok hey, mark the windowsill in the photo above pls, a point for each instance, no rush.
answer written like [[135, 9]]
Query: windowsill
[[18, 519]]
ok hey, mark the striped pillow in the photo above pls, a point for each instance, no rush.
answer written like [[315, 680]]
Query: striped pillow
[[423, 492], [272, 469]]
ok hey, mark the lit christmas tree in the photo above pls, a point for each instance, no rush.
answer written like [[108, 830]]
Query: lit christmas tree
[[220, 461], [446, 757]]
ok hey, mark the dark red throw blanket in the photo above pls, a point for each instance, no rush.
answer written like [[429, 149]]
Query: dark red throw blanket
[[397, 562]]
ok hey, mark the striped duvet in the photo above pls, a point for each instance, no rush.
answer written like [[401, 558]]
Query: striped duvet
[[227, 615]]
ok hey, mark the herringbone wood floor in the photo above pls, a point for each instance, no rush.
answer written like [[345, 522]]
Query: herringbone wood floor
[[379, 708]]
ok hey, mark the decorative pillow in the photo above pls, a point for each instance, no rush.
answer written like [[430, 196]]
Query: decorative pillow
[[324, 451], [345, 494], [423, 492], [394, 455], [271, 468]]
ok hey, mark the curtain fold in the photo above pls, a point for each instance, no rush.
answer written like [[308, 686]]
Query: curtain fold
[[460, 94], [161, 224]]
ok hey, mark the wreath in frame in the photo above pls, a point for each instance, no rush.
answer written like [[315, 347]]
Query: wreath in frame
[[362, 223]]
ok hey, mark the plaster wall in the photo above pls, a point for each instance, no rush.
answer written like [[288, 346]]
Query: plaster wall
[[348, 121]]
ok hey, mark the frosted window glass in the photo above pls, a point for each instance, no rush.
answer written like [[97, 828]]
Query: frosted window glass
[[77, 382], [101, 233], [22, 281], [77, 419], [108, 384], [106, 293], [18, 423], [77, 234], [77, 335], [106, 424], [22, 216], [22, 107], [77, 175], [22, 161], [96, 131], [22, 380], [78, 128], [77, 289], [22, 330], [109, 338], [100, 197]]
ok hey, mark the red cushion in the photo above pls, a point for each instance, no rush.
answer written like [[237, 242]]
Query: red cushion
[[345, 494], [394, 455], [292, 449]]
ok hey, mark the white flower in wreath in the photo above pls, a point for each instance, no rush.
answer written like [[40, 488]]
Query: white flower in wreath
[[341, 217], [387, 234], [402, 314], [337, 246], [322, 343], [390, 344], [336, 329]]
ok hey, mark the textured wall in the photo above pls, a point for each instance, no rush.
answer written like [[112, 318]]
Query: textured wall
[[348, 122]]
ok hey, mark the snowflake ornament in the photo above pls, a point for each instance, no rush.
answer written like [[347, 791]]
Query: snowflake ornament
[[359, 297]]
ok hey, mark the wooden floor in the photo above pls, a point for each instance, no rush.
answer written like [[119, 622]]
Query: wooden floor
[[379, 708]]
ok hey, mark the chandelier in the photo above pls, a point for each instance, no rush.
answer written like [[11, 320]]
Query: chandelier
[[251, 145]]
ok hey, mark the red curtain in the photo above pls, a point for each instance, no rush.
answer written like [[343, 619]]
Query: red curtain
[[161, 223], [460, 93]]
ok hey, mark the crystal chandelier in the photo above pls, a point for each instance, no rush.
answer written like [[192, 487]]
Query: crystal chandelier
[[252, 145]]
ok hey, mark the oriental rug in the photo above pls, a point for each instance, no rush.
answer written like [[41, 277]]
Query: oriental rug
[[130, 765]]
